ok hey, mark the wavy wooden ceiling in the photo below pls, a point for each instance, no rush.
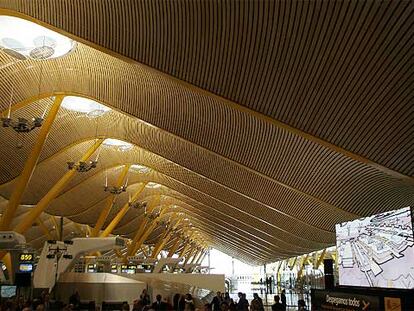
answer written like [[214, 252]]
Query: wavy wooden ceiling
[[268, 121]]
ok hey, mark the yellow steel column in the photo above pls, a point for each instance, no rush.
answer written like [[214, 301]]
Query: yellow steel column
[[199, 256], [302, 265], [109, 202], [189, 254], [202, 257], [57, 231], [160, 245], [140, 231], [186, 246], [196, 255], [320, 259], [115, 221], [44, 229], [8, 263], [174, 248], [28, 169], [35, 212], [144, 236]]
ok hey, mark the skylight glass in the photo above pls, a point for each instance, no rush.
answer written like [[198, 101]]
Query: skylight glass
[[23, 39], [153, 185], [87, 106], [140, 168], [120, 145]]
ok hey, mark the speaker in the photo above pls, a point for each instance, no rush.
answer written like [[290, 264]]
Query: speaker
[[328, 266]]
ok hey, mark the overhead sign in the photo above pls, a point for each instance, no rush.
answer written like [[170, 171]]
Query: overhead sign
[[26, 257], [323, 300]]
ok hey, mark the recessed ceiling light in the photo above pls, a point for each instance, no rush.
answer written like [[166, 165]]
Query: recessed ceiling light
[[140, 168], [22, 39], [120, 145], [84, 105], [153, 185]]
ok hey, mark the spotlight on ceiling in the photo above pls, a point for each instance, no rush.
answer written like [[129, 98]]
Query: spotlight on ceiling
[[82, 167], [22, 125], [22, 39]]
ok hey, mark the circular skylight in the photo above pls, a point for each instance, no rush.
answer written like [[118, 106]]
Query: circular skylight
[[120, 145], [153, 185], [140, 168], [87, 106], [22, 39]]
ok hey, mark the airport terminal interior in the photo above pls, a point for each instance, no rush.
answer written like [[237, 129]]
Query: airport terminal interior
[[209, 155]]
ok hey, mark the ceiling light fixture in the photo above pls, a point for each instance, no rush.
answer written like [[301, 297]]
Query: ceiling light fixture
[[114, 189], [22, 39]]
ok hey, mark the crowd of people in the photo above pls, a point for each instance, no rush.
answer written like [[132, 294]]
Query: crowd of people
[[220, 302], [179, 303]]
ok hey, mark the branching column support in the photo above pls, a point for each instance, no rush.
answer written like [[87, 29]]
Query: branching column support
[[142, 227], [197, 260], [200, 261], [35, 212], [109, 202], [196, 255], [55, 224], [186, 246], [189, 254], [161, 243], [174, 247], [29, 167], [115, 221], [320, 259], [44, 229], [302, 265]]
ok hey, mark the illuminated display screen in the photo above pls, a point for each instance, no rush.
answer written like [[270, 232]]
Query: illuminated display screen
[[377, 251], [8, 291], [91, 268], [26, 257], [130, 269], [25, 267], [114, 268]]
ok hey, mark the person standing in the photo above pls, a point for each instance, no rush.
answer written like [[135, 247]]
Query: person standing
[[242, 304], [145, 298], [216, 302], [159, 305], [277, 306], [283, 298]]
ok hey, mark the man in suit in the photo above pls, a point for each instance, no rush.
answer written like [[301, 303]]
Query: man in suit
[[159, 305]]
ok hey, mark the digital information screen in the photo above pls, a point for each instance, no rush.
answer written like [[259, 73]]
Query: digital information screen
[[7, 291], [26, 257], [377, 251], [25, 267]]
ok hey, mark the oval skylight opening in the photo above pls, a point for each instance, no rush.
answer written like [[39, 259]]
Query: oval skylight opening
[[120, 145], [140, 168], [87, 106], [22, 39], [153, 185]]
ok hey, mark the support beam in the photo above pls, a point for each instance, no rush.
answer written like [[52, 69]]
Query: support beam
[[55, 224], [186, 246], [115, 221], [174, 247], [142, 225], [110, 202], [148, 230], [161, 243], [44, 229], [200, 261], [190, 254], [196, 255], [302, 265], [320, 259], [29, 167], [35, 212]]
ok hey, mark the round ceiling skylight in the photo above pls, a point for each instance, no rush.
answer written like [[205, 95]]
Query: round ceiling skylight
[[23, 39], [88, 106], [140, 168], [120, 145], [153, 185]]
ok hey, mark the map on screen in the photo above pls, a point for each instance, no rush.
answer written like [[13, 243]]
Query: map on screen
[[8, 291], [377, 251]]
